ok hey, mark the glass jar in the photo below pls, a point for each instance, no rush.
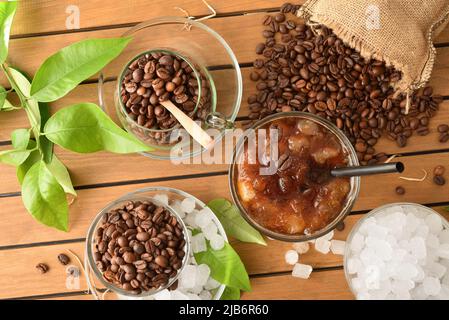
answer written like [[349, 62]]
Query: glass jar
[[213, 62], [354, 181], [101, 288]]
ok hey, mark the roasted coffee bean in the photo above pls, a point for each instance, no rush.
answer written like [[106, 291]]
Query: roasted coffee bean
[[439, 180], [340, 226], [42, 268], [442, 128], [358, 95], [439, 170], [400, 190], [63, 259]]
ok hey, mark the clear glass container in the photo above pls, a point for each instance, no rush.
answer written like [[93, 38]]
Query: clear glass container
[[100, 287], [354, 181], [377, 212], [206, 52]]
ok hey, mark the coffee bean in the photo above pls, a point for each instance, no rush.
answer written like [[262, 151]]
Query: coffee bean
[[340, 226], [161, 261], [400, 190], [439, 180], [439, 170], [442, 128], [42, 268], [63, 259]]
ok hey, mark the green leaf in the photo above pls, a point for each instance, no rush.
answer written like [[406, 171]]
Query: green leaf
[[34, 157], [24, 86], [230, 293], [8, 106], [225, 266], [44, 198], [61, 174], [46, 145], [64, 70], [3, 95], [20, 139], [233, 223], [14, 157], [85, 128], [7, 11]]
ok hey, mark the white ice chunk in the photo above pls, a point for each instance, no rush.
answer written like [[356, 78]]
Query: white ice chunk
[[301, 247], [190, 219], [187, 278], [432, 286], [302, 271], [204, 217], [162, 295], [202, 274], [176, 205], [418, 247], [443, 236], [291, 257], [433, 221], [205, 295], [178, 295], [354, 265], [322, 245], [188, 205], [210, 230], [443, 251], [357, 243], [162, 198], [199, 243], [211, 284], [338, 247], [217, 242]]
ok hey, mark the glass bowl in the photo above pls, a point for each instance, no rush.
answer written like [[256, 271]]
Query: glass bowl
[[354, 181], [98, 285], [206, 52], [375, 212]]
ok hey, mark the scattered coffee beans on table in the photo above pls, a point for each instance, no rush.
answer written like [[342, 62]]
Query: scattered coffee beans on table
[[42, 268], [63, 259], [438, 173], [139, 246], [302, 71], [160, 76]]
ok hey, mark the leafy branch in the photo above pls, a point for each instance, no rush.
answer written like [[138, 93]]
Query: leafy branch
[[82, 127]]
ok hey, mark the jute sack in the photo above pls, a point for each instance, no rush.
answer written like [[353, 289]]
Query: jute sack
[[399, 32]]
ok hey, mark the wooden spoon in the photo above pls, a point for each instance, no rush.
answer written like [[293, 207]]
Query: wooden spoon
[[197, 133]]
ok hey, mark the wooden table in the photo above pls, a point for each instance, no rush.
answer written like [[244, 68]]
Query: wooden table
[[40, 29]]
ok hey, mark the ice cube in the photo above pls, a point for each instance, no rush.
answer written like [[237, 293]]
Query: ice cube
[[436, 270], [418, 293], [432, 241], [372, 279], [202, 274], [443, 251], [443, 236], [406, 271], [377, 231], [193, 296], [178, 295], [210, 230], [383, 250], [162, 198], [354, 265], [162, 295], [291, 257], [357, 243], [432, 286], [217, 242], [205, 295], [328, 236], [338, 247], [187, 278], [302, 271], [301, 247], [322, 245], [203, 217], [188, 205], [199, 243], [190, 219], [196, 289], [433, 221], [176, 205], [211, 284], [418, 247], [422, 231]]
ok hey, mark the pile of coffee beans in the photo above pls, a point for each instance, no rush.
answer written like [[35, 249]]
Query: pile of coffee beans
[[139, 246], [160, 76], [303, 70]]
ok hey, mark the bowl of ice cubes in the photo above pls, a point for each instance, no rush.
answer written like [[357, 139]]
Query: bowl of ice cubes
[[399, 251], [204, 232]]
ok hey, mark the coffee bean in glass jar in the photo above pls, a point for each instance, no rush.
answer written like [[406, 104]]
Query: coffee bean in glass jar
[[139, 246], [302, 70], [158, 76], [301, 197]]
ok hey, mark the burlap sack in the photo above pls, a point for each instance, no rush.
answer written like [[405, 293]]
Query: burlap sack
[[400, 32]]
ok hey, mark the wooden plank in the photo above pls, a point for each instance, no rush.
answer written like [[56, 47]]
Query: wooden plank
[[328, 285], [24, 55], [374, 192], [257, 259], [33, 16]]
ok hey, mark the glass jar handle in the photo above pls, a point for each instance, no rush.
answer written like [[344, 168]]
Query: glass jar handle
[[218, 121]]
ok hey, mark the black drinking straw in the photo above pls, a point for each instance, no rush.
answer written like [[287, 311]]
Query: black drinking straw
[[393, 167]]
